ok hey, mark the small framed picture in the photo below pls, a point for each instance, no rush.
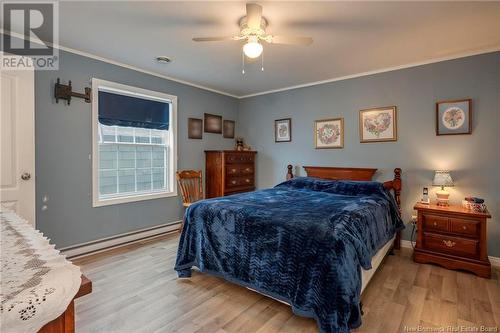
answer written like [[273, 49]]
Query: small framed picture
[[283, 130], [329, 133], [378, 124], [228, 129], [454, 117], [195, 128], [213, 123]]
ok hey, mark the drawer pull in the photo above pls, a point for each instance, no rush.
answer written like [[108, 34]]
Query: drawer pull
[[247, 180], [449, 243], [233, 170], [435, 224], [464, 227], [247, 169], [233, 182]]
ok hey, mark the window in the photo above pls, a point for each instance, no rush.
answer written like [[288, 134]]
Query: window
[[134, 144]]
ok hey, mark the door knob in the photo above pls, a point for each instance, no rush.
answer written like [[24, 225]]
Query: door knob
[[26, 176]]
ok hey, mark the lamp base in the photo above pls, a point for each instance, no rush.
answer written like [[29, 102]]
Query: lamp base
[[442, 198]]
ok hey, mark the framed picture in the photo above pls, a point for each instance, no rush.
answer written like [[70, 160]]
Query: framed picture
[[283, 130], [228, 129], [195, 128], [454, 117], [329, 133], [378, 124], [213, 123]]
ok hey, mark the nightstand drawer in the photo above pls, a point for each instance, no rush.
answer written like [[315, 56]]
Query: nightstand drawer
[[464, 227], [435, 223], [452, 245]]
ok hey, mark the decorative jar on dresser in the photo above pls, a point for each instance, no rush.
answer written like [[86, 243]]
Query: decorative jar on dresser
[[453, 237], [229, 172]]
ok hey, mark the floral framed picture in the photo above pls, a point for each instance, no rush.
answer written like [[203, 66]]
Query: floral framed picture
[[378, 124], [329, 133], [454, 117], [283, 130]]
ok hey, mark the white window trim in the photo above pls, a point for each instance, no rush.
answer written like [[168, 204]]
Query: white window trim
[[131, 91]]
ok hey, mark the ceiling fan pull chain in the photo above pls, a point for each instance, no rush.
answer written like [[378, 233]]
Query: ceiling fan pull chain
[[242, 63], [262, 59]]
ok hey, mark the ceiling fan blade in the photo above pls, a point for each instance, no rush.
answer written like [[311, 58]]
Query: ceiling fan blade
[[213, 39], [254, 15], [291, 40]]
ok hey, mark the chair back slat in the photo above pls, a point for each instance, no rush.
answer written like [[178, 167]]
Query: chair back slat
[[190, 183]]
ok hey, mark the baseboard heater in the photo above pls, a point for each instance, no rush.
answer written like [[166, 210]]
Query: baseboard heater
[[103, 244]]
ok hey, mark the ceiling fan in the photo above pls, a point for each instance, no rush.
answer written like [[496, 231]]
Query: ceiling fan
[[253, 31]]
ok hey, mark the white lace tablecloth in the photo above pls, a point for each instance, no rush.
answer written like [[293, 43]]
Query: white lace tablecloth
[[37, 283]]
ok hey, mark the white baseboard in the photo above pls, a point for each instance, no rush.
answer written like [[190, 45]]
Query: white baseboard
[[103, 244], [495, 261], [406, 244]]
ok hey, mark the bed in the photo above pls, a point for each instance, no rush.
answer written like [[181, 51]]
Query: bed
[[312, 242]]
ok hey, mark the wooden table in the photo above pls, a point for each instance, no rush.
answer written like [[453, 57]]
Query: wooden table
[[65, 323]]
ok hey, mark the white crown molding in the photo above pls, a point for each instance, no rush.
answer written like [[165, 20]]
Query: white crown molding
[[124, 65], [484, 50], [495, 48]]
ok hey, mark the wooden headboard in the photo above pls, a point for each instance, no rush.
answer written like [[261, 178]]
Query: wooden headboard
[[363, 174], [335, 173]]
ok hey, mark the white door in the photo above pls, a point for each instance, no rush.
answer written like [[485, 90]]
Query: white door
[[17, 142]]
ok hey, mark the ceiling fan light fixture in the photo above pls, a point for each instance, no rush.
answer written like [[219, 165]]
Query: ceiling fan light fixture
[[253, 49]]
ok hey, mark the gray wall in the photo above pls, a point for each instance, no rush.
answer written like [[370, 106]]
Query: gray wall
[[474, 159], [63, 145], [63, 139]]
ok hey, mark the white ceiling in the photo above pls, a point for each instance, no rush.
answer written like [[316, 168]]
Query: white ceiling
[[349, 38]]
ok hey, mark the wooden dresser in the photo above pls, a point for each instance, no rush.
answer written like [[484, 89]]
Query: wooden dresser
[[229, 172], [452, 237]]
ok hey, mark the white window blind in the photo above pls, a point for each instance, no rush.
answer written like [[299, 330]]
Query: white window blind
[[132, 160]]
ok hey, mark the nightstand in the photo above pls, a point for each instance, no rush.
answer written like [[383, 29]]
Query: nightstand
[[452, 237]]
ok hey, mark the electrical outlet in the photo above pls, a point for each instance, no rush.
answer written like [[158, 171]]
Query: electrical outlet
[[414, 219]]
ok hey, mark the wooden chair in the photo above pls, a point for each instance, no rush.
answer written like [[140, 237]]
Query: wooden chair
[[190, 183]]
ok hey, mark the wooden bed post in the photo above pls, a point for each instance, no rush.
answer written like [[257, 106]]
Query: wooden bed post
[[289, 173], [397, 185]]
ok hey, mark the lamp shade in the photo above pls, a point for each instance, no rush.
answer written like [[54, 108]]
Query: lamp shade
[[442, 178]]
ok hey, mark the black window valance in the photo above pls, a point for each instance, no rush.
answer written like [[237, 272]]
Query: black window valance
[[132, 111]]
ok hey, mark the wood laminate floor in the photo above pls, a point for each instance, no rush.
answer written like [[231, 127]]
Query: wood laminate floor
[[135, 289]]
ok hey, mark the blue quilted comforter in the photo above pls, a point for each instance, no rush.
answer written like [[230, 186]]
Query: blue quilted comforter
[[303, 242]]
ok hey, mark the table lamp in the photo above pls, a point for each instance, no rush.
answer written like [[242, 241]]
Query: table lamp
[[442, 178]]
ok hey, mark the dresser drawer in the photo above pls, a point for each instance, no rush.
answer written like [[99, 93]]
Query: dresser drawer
[[239, 170], [239, 158], [435, 223], [232, 182], [464, 227], [452, 245]]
